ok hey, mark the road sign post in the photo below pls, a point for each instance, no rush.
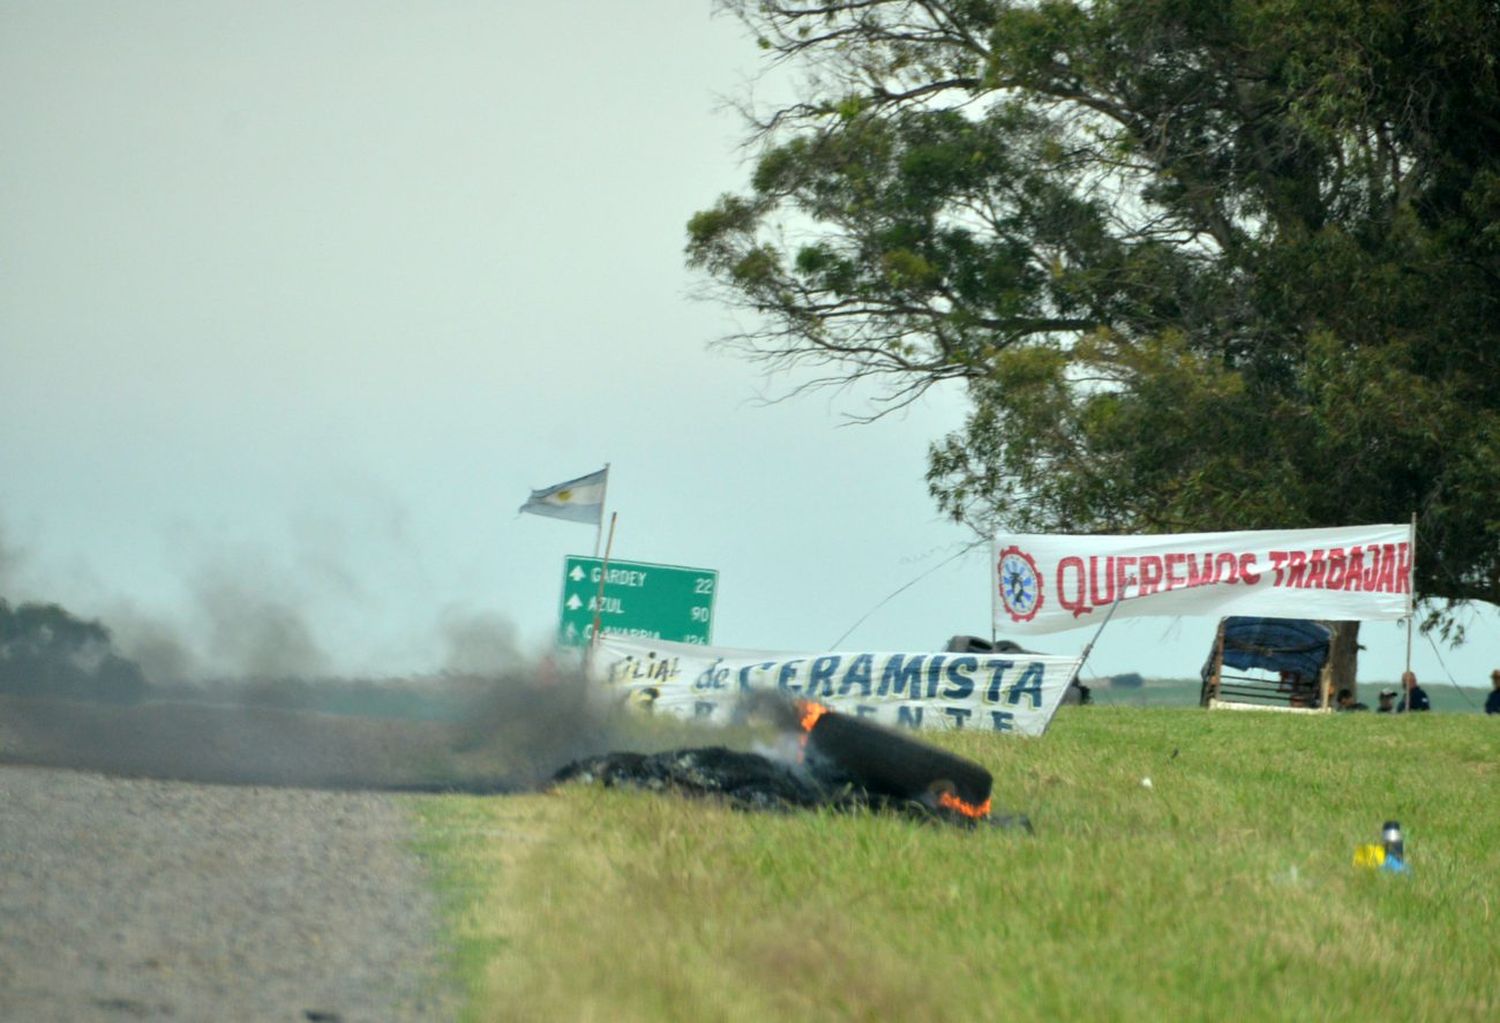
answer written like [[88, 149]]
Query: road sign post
[[639, 598]]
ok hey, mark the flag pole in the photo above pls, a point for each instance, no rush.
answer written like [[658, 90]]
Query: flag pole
[[1411, 588], [994, 593], [603, 496], [1089, 648], [603, 572]]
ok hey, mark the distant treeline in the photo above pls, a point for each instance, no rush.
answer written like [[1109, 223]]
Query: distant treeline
[[45, 651]]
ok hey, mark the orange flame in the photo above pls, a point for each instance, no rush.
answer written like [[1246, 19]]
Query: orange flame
[[811, 711], [949, 801]]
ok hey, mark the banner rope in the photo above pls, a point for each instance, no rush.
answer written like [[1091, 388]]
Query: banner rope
[[965, 550], [1451, 681]]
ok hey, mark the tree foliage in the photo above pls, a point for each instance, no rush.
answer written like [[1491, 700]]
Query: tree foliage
[[45, 651], [1199, 263]]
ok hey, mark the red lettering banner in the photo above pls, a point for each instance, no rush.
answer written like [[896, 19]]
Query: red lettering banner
[[1050, 582]]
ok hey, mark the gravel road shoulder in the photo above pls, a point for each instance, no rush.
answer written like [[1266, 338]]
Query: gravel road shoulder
[[130, 899]]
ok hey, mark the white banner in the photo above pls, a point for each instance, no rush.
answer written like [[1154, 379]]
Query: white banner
[[1045, 583], [990, 692]]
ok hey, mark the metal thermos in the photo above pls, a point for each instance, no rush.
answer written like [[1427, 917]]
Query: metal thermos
[[1395, 845]]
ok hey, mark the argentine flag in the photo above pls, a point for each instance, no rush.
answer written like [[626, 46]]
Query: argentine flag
[[580, 500]]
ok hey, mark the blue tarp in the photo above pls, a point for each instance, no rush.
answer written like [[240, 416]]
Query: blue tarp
[[1276, 644]]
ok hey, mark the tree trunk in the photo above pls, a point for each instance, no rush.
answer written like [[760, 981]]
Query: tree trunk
[[1343, 659]]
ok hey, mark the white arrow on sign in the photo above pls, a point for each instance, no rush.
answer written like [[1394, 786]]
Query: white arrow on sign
[[574, 603], [576, 574]]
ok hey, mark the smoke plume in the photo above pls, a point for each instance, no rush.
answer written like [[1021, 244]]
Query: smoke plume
[[478, 643], [253, 631], [10, 560], [68, 698]]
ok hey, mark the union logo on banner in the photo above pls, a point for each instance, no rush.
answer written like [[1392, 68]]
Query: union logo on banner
[[1020, 584]]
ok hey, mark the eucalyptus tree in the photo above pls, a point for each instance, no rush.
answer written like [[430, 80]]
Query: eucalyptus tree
[[1198, 264]]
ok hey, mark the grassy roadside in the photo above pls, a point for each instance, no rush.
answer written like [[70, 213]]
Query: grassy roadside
[[1184, 692], [1225, 889]]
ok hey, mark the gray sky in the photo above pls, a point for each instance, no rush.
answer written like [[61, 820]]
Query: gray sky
[[299, 301]]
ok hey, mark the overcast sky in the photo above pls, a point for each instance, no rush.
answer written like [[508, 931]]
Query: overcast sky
[[299, 301]]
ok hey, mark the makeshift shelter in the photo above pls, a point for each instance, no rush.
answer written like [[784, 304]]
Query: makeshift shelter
[[1293, 651]]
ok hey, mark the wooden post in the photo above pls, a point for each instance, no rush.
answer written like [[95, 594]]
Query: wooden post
[[1211, 684], [603, 572]]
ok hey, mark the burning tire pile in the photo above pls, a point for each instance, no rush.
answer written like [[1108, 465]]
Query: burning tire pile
[[839, 762]]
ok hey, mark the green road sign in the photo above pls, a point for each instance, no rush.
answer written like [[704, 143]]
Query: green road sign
[[640, 599]]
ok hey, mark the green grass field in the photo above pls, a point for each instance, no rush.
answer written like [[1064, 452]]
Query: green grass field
[[1225, 890]]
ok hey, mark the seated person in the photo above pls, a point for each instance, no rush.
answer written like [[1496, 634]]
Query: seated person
[[1304, 692], [1492, 701], [1346, 701], [1387, 703]]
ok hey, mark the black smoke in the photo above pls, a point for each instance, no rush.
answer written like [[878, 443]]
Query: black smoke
[[69, 698]]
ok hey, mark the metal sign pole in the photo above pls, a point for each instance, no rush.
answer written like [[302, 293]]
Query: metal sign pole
[[1411, 589]]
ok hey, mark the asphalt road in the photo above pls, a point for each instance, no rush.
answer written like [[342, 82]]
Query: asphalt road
[[127, 899]]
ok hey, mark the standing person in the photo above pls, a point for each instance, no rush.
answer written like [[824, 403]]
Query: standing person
[[1492, 701], [1416, 696]]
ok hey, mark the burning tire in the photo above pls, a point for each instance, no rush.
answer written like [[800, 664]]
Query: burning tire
[[840, 762], [888, 763]]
